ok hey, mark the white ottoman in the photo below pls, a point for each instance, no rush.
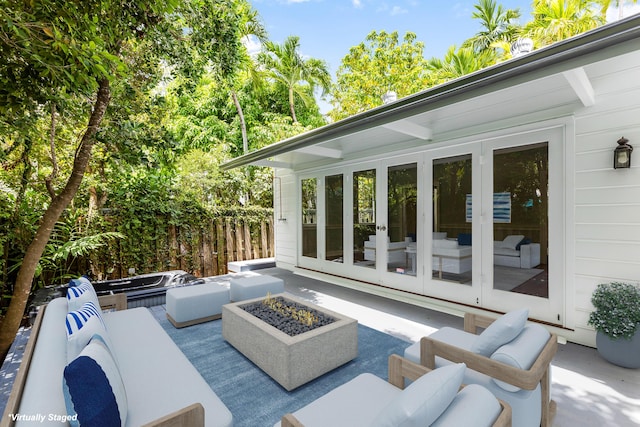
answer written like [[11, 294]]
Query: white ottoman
[[189, 305], [254, 287]]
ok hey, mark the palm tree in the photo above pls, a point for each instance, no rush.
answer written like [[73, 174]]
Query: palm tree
[[555, 20], [458, 63], [299, 76], [498, 25]]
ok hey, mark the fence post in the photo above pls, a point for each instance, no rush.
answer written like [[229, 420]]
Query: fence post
[[220, 247], [240, 245]]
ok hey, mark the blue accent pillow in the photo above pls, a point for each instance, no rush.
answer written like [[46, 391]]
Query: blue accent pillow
[[93, 390], [81, 325], [524, 241], [464, 239], [79, 293]]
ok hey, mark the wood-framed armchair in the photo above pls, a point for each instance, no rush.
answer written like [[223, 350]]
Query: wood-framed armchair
[[504, 374], [355, 403]]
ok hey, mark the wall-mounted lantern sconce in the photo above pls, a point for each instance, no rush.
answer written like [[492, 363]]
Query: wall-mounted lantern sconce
[[622, 154]]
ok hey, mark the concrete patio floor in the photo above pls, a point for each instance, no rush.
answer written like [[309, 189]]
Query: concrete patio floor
[[588, 390]]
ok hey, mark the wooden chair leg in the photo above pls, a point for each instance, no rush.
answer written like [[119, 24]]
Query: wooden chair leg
[[545, 398]]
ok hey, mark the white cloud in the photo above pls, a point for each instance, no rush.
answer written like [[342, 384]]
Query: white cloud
[[356, 3], [627, 10], [397, 10], [252, 44]]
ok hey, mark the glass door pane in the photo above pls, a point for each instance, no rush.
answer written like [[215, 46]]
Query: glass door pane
[[452, 220], [520, 219], [334, 231], [364, 218], [309, 217], [402, 202]]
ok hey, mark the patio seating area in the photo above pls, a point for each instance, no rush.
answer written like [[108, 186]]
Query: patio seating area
[[588, 390]]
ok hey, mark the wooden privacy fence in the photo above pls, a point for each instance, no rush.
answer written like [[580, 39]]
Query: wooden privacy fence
[[221, 241], [202, 250]]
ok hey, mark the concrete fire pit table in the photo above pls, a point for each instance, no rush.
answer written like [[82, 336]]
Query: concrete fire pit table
[[290, 360]]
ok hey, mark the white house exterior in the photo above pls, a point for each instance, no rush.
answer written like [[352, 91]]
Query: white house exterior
[[407, 200]]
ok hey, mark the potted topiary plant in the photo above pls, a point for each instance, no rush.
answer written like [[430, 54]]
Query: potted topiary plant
[[616, 319]]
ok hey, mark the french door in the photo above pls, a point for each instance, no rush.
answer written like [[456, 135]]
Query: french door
[[496, 217], [522, 213], [385, 222], [476, 223]]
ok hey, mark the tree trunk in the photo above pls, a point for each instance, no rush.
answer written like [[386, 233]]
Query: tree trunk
[[11, 322], [291, 107], [243, 124]]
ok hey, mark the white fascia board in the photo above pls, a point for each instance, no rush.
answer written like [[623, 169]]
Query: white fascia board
[[273, 164]]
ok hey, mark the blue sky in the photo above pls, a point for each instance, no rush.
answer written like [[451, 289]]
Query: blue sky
[[329, 28]]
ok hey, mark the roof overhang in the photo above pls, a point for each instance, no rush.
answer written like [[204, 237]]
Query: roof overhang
[[555, 80]]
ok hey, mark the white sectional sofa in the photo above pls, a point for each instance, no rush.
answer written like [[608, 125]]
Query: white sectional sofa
[[449, 257], [396, 251], [511, 252], [514, 251], [160, 384]]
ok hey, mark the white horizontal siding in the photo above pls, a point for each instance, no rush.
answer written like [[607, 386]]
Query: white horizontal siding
[[607, 201], [285, 196]]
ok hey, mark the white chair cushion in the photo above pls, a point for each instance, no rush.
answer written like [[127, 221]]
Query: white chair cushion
[[510, 242], [424, 400], [501, 331], [93, 389], [521, 352], [473, 406]]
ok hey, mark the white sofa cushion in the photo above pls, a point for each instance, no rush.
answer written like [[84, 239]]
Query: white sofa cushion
[[424, 400], [93, 390], [512, 241], [158, 377], [81, 325], [439, 235], [501, 331], [449, 244], [499, 250]]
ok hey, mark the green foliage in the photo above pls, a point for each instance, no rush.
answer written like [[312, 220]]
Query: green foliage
[[617, 309], [287, 68], [555, 20], [379, 64]]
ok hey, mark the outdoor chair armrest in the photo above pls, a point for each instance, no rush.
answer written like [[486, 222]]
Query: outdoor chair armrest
[[289, 420], [115, 302], [526, 379], [504, 419], [192, 415], [401, 368]]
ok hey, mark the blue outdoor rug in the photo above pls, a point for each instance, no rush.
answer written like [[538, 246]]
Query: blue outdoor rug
[[254, 399]]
